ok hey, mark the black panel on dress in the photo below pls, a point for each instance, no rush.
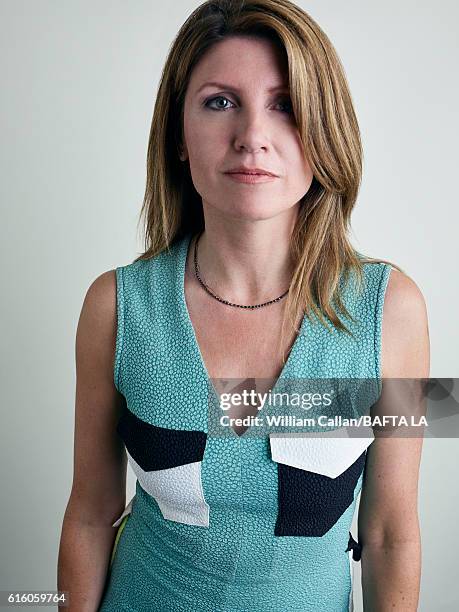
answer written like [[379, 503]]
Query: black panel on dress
[[309, 504], [356, 548], [159, 448]]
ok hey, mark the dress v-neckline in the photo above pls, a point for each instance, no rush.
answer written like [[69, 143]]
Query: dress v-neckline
[[181, 269]]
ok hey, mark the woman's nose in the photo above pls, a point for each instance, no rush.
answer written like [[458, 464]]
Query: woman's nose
[[251, 131]]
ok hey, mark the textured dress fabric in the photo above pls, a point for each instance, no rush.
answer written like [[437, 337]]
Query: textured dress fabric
[[234, 523]]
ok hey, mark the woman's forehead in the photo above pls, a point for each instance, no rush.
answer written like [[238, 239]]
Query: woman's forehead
[[237, 63]]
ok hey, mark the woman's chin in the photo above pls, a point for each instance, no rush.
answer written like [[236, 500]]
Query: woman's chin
[[252, 212]]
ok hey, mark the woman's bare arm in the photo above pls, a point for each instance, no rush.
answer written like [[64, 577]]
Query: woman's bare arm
[[98, 493], [388, 524]]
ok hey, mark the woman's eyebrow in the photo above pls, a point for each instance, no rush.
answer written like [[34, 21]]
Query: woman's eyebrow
[[231, 87]]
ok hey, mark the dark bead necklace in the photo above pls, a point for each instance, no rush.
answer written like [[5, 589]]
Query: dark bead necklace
[[210, 292]]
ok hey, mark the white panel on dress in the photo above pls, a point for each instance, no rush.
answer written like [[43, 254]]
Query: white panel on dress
[[351, 594], [178, 492], [329, 453], [126, 511]]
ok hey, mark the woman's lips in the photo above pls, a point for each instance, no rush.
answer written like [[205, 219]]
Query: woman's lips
[[242, 177]]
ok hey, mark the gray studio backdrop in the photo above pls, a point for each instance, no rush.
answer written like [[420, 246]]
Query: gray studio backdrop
[[78, 85]]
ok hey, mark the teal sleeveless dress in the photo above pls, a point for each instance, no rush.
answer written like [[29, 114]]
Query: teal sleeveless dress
[[235, 523]]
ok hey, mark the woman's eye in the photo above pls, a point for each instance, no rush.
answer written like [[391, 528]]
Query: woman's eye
[[207, 104], [285, 102], [288, 103]]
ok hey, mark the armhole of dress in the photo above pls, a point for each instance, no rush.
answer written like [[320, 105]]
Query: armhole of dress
[[384, 280], [119, 327]]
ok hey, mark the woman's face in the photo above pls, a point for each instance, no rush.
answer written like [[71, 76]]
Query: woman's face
[[238, 121]]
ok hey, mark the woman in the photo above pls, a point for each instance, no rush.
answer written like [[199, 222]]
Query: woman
[[254, 164]]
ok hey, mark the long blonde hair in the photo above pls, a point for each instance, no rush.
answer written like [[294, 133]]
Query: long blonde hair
[[328, 130]]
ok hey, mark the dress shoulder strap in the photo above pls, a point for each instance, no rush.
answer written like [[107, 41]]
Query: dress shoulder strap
[[146, 293]]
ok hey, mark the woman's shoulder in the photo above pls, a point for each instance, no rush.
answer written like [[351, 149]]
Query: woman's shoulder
[[405, 332], [158, 262], [397, 287], [404, 301], [101, 293], [389, 293], [96, 329]]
